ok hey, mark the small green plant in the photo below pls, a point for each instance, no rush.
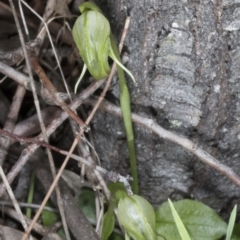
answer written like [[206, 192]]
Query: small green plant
[[181, 220], [134, 213], [92, 35], [137, 217]]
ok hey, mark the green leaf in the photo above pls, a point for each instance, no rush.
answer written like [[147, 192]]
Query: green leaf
[[49, 218], [109, 219], [61, 233], [137, 217], [108, 224], [231, 223], [200, 221], [86, 202], [180, 226], [118, 191]]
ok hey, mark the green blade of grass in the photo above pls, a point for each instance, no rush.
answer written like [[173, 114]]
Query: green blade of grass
[[30, 196], [180, 226], [231, 223]]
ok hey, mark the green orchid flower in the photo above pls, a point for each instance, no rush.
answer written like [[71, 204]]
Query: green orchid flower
[[137, 217], [95, 42], [92, 35]]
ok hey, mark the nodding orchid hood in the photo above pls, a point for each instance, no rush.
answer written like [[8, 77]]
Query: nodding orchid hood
[[91, 33]]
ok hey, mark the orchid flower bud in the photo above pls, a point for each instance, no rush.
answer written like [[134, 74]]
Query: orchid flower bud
[[137, 217], [92, 35]]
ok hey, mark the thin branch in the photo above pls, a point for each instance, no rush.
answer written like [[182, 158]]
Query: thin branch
[[5, 143], [37, 227], [92, 174], [11, 120], [167, 135], [17, 76], [27, 205], [24, 48], [36, 102], [15, 56], [78, 223], [48, 11], [30, 126], [27, 153], [36, 141], [53, 92], [112, 176], [25, 81], [14, 200], [38, 112]]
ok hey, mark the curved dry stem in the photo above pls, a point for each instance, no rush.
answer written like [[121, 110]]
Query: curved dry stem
[[170, 136]]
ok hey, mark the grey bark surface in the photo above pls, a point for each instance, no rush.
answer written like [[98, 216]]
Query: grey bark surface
[[185, 57]]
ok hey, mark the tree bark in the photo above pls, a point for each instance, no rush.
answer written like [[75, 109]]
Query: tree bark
[[185, 58]]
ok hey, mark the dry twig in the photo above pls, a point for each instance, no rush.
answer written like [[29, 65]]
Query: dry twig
[[167, 135], [48, 12], [53, 92], [37, 227], [5, 143], [27, 153], [111, 176]]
